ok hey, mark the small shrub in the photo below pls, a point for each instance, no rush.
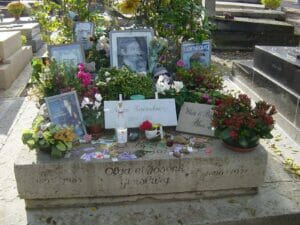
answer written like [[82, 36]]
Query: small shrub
[[271, 4]]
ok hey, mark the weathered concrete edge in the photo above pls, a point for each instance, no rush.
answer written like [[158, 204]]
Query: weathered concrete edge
[[79, 202]]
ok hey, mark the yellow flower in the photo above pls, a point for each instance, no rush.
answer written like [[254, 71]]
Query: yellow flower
[[65, 135], [128, 6]]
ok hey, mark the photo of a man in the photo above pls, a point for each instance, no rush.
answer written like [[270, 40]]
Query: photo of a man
[[64, 110], [130, 48], [133, 53]]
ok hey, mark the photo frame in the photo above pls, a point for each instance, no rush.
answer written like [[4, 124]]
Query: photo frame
[[130, 48], [70, 54], [196, 52], [82, 33], [64, 110]]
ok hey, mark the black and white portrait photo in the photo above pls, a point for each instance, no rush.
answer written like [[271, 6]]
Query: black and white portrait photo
[[130, 48], [64, 110], [133, 53], [82, 33], [70, 54]]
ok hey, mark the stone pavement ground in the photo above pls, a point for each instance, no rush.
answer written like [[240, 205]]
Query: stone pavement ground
[[278, 200]]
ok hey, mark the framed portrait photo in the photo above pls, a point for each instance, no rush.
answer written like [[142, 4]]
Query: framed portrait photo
[[130, 48], [64, 110], [82, 33], [70, 54]]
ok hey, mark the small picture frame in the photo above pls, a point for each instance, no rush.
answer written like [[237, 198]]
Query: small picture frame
[[83, 31], [69, 54], [64, 110], [130, 48], [196, 52]]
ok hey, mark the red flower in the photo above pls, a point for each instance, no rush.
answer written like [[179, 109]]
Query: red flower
[[146, 125], [218, 101], [233, 134]]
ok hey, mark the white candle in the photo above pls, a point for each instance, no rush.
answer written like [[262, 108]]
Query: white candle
[[161, 132], [121, 134], [156, 95], [120, 97]]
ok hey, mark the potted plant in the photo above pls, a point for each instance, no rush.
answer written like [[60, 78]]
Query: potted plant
[[15, 9], [92, 112], [49, 137], [150, 129], [241, 125]]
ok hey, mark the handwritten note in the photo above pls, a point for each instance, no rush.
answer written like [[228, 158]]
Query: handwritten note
[[195, 118], [162, 111]]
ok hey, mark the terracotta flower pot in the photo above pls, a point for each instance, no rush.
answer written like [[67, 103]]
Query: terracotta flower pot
[[95, 131]]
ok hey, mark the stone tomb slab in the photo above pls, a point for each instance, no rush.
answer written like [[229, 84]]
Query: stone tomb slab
[[10, 42], [43, 181], [27, 29], [279, 63], [14, 65]]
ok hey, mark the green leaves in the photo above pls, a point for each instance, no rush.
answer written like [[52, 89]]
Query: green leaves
[[60, 146]]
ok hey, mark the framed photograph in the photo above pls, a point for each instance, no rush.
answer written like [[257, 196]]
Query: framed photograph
[[70, 54], [130, 48], [64, 110], [196, 52], [82, 33]]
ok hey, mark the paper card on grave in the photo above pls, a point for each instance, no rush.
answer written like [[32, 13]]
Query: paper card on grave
[[162, 111], [195, 118]]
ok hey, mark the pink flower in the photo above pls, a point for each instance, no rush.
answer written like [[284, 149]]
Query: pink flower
[[86, 78], [81, 67], [180, 63]]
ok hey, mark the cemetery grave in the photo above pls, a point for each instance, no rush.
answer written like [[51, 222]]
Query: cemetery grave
[[137, 124]]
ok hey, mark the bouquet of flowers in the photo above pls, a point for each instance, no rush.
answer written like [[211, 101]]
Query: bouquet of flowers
[[49, 137], [91, 108], [15, 8], [240, 124]]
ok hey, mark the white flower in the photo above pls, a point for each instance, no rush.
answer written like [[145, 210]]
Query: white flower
[[107, 79], [85, 102], [107, 74], [96, 105], [98, 97], [178, 85], [98, 115]]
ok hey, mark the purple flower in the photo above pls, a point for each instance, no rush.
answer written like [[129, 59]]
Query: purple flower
[[180, 63]]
